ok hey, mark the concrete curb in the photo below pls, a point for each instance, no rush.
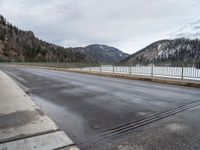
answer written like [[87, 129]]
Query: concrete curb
[[165, 80], [189, 83], [23, 125]]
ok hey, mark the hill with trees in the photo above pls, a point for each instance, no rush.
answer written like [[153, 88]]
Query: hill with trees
[[170, 52], [22, 46]]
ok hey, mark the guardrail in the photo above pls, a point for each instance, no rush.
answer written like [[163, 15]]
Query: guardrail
[[175, 72]]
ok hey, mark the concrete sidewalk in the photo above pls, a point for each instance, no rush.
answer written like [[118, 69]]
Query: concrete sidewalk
[[23, 125]]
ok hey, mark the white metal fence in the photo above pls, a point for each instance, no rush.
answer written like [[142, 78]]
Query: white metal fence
[[174, 72]]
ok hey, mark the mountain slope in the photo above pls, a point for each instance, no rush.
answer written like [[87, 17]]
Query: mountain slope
[[104, 53], [168, 52], [18, 45]]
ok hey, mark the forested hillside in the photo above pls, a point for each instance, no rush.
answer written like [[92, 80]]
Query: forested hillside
[[20, 46]]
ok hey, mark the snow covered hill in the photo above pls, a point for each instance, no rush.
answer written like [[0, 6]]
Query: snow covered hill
[[168, 52]]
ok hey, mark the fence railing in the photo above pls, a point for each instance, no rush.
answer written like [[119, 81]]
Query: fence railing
[[179, 71], [164, 71]]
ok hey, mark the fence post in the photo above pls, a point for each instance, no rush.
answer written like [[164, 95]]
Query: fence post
[[182, 72], [130, 70], [152, 70], [57, 63], [198, 67], [89, 67], [113, 68], [100, 68]]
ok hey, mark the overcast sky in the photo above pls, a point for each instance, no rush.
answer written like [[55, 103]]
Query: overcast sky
[[125, 24]]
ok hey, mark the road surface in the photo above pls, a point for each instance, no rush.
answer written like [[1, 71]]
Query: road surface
[[107, 113]]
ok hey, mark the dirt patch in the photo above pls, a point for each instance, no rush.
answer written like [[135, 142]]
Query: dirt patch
[[39, 111], [17, 119]]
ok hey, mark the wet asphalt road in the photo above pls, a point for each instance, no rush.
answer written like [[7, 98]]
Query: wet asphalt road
[[85, 106]]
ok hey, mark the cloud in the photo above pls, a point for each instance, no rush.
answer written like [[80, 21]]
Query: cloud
[[126, 24], [72, 43], [190, 30]]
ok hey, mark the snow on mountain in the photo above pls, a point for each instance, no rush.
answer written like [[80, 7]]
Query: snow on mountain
[[168, 52]]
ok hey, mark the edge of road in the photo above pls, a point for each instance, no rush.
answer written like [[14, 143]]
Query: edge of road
[[23, 125], [164, 80]]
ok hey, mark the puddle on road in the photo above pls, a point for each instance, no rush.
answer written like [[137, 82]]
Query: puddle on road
[[175, 127], [142, 113], [127, 147]]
